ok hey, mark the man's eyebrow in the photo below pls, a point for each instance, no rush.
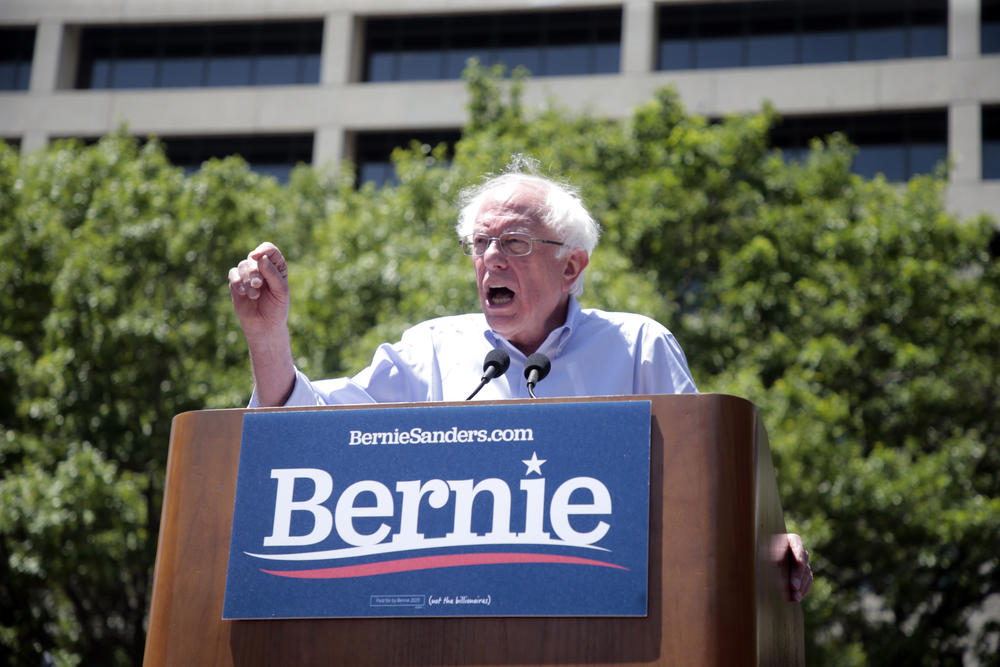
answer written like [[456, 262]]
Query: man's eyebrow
[[515, 223]]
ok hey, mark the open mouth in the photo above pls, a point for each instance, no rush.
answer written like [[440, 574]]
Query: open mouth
[[499, 296]]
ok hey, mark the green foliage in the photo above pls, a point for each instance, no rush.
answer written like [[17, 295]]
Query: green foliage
[[859, 316], [114, 319]]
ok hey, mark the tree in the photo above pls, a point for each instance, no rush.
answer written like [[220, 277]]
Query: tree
[[858, 315], [114, 319]]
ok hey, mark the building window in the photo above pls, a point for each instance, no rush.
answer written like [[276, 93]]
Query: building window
[[792, 32], [373, 151], [176, 56], [17, 46], [896, 145], [989, 26], [274, 155], [991, 142], [546, 43]]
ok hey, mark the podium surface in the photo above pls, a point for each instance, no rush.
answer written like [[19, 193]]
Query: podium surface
[[717, 577]]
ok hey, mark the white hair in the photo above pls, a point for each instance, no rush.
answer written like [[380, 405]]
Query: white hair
[[561, 211]]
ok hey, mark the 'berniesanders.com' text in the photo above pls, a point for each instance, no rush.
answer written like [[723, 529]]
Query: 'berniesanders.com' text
[[419, 436]]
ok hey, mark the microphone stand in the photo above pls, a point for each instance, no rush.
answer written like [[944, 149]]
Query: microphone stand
[[496, 363], [535, 370]]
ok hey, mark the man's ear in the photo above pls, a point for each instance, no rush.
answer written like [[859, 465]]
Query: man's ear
[[576, 262]]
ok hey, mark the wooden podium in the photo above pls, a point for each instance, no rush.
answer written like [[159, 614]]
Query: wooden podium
[[717, 580]]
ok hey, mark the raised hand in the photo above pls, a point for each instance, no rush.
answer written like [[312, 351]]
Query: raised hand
[[259, 288], [261, 299]]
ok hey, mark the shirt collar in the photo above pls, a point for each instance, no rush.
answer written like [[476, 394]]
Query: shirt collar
[[553, 344]]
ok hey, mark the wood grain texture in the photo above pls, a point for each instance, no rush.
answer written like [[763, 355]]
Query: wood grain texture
[[716, 592]]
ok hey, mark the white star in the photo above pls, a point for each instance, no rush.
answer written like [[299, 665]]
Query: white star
[[534, 464]]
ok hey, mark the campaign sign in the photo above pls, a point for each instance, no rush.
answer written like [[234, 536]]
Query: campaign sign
[[499, 510]]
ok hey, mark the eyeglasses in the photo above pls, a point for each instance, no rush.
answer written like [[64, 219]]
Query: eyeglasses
[[512, 244]]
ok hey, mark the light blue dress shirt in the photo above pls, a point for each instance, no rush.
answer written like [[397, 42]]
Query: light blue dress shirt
[[595, 353]]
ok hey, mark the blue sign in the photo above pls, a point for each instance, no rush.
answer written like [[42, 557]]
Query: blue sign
[[500, 510]]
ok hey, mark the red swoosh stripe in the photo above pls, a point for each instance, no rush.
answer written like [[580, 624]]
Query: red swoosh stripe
[[432, 562]]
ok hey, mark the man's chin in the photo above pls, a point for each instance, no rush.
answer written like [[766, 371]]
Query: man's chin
[[499, 319]]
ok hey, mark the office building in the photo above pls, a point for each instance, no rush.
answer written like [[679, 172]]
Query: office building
[[909, 81]]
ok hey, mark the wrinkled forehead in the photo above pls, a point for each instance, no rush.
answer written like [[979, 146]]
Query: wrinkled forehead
[[509, 206]]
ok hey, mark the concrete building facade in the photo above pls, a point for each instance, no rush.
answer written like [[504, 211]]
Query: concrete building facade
[[328, 72]]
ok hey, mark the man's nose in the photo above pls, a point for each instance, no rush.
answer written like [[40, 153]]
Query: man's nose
[[493, 254]]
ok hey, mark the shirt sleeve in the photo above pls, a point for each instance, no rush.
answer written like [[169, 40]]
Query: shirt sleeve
[[306, 393], [404, 372], [662, 367]]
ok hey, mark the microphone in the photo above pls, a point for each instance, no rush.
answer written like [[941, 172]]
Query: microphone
[[535, 370], [496, 364]]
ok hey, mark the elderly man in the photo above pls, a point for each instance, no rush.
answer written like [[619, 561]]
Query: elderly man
[[530, 240]]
